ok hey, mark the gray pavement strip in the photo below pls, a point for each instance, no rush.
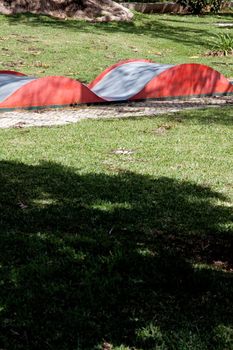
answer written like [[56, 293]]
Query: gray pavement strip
[[21, 119]]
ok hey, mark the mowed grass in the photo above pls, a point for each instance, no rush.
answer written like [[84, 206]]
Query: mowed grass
[[116, 234], [39, 45]]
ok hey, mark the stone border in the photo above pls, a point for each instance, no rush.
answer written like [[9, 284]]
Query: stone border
[[163, 7], [156, 7]]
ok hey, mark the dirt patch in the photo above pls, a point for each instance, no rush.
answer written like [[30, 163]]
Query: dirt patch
[[219, 53], [91, 10]]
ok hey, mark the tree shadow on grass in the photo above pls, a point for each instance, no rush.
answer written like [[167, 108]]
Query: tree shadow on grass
[[93, 257], [199, 112], [149, 27]]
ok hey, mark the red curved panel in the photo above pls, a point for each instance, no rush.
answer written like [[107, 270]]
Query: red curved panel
[[50, 91], [109, 69], [12, 72], [186, 80]]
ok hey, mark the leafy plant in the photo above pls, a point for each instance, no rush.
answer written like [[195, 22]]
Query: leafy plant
[[223, 337], [223, 43], [151, 337]]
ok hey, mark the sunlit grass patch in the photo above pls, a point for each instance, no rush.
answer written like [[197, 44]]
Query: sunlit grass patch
[[39, 45]]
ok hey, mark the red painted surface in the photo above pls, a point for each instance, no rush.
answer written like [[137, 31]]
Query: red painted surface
[[109, 69], [180, 80], [186, 80], [50, 91], [12, 72]]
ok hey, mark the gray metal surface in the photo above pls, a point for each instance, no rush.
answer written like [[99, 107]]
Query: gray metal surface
[[10, 83], [127, 80]]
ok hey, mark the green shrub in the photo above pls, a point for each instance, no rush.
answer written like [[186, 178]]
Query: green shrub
[[200, 6], [223, 337], [223, 43], [151, 337]]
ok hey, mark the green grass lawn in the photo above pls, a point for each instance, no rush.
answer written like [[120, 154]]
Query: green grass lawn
[[133, 248], [116, 231], [44, 46]]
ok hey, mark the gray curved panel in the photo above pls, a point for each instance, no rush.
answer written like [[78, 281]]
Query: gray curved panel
[[9, 83], [127, 80]]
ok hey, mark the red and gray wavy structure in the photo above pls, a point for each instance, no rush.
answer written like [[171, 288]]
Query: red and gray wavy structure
[[129, 80]]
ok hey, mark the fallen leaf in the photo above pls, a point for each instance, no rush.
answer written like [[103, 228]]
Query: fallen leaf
[[41, 64], [106, 346], [22, 205], [162, 129], [123, 151], [109, 56], [135, 49], [19, 125]]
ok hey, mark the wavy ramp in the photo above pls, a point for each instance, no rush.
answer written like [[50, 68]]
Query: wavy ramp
[[125, 81]]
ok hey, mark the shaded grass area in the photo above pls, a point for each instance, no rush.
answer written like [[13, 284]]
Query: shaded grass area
[[43, 46], [130, 248]]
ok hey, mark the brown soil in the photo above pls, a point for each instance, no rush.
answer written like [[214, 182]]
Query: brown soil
[[219, 53], [91, 10]]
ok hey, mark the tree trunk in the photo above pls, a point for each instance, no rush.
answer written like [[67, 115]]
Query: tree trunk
[[92, 10]]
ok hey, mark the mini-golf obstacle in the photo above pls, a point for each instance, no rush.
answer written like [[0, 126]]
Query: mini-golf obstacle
[[129, 80]]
